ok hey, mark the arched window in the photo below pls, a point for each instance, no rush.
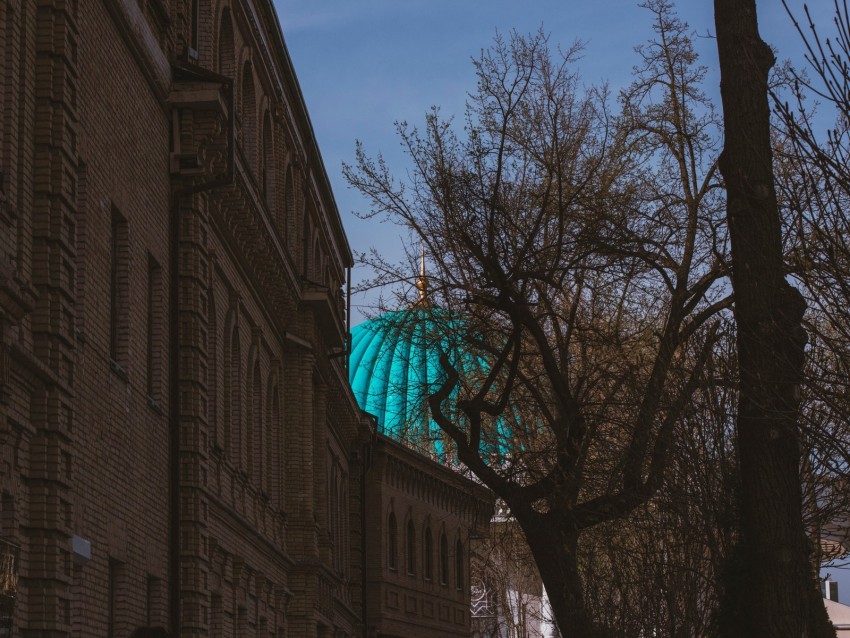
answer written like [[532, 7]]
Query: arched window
[[429, 555], [194, 30], [411, 548], [7, 517], [269, 177], [286, 220], [392, 542], [459, 564], [444, 559], [316, 267], [232, 392], [306, 241], [226, 56], [255, 439], [248, 116], [212, 371], [201, 25], [274, 446], [333, 509]]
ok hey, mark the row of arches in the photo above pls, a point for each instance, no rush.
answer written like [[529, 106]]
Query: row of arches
[[415, 558], [256, 134], [244, 601], [257, 137], [245, 404], [264, 142]]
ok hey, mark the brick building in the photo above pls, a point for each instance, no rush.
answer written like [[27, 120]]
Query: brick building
[[178, 442], [424, 519]]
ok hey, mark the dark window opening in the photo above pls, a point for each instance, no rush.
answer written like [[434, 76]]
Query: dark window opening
[[119, 284], [226, 48], [429, 554], [459, 565], [194, 35], [248, 115], [269, 172], [444, 560], [154, 329], [411, 548], [114, 576], [392, 542], [232, 391]]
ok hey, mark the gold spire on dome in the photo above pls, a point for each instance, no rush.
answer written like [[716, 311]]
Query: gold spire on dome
[[422, 281]]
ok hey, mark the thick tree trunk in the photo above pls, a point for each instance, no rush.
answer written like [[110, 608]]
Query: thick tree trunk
[[776, 578], [554, 550]]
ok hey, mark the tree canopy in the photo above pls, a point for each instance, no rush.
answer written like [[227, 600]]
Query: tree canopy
[[583, 238]]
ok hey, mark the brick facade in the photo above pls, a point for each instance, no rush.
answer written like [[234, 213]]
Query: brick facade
[[423, 520], [165, 364], [179, 446]]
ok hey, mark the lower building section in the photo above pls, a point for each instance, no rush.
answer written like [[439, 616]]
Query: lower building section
[[423, 519]]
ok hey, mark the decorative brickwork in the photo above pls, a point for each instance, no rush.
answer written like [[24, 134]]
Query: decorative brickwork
[[179, 446], [47, 573], [420, 519]]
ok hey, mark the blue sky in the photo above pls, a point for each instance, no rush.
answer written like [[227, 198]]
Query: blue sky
[[364, 64]]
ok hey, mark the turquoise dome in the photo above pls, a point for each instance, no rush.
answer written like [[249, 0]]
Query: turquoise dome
[[394, 366]]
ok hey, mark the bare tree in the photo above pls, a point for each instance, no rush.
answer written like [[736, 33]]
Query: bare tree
[[814, 181], [583, 253], [656, 572]]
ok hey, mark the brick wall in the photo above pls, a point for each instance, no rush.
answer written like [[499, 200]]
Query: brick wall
[[178, 442], [405, 597]]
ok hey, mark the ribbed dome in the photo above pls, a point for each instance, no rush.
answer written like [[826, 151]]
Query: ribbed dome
[[395, 365]]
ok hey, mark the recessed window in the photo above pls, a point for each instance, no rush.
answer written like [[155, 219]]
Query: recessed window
[[286, 222], [114, 582], [444, 560], [152, 600], [274, 450], [119, 289], [459, 564], [232, 391], [269, 173], [194, 35], [254, 425], [154, 329], [226, 56], [411, 548], [392, 542], [248, 114], [429, 555]]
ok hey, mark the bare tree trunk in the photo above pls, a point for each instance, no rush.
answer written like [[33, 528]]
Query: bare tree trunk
[[555, 551], [776, 579]]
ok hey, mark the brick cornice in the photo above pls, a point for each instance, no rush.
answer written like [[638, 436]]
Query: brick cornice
[[242, 221]]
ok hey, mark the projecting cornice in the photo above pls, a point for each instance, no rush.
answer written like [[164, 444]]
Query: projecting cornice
[[434, 483]]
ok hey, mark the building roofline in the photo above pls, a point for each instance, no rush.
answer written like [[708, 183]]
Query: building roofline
[[476, 489], [303, 117]]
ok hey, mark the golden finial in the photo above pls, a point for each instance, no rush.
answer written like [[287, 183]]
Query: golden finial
[[422, 281]]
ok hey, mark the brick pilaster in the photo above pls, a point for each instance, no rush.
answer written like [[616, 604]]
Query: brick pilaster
[[193, 286], [48, 577]]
